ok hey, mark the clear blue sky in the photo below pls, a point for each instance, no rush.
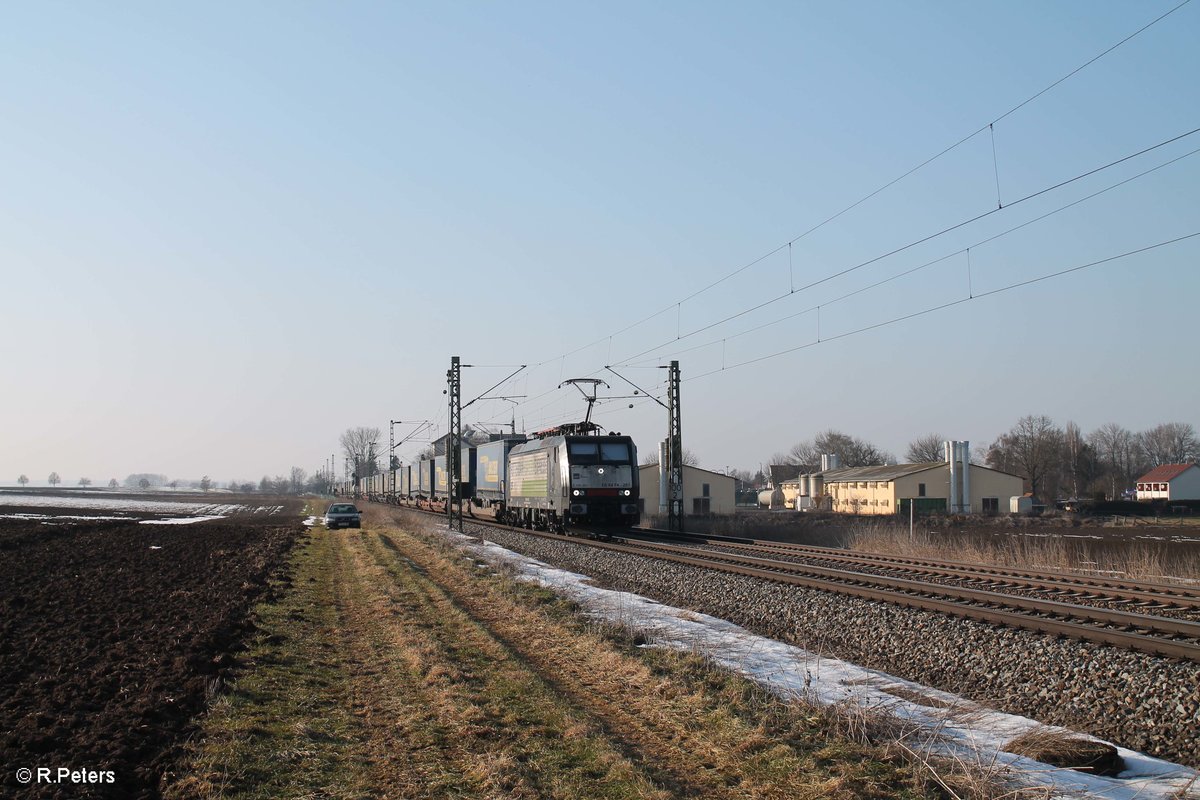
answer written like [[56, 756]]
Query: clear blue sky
[[230, 231]]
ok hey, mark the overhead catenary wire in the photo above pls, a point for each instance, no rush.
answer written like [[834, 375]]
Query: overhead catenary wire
[[680, 335], [912, 270], [915, 243], [886, 185], [949, 304]]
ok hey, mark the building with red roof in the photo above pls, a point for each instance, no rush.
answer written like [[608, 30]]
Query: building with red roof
[[1170, 482]]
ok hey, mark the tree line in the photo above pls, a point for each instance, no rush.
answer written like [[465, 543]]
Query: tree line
[[1064, 461], [1055, 461]]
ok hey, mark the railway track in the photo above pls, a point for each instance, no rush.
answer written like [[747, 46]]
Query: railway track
[[1002, 597], [1173, 599]]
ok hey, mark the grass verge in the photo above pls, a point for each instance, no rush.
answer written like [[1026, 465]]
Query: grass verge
[[394, 667]]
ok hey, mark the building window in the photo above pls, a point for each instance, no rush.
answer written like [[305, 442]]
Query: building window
[[700, 505], [991, 505], [920, 490], [704, 490]]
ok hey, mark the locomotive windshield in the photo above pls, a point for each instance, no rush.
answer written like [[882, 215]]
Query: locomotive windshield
[[598, 452]]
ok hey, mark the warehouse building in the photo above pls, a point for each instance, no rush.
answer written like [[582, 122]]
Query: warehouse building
[[704, 492], [951, 486], [889, 489]]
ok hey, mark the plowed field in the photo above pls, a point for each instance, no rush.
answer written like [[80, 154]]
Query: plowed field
[[111, 635]]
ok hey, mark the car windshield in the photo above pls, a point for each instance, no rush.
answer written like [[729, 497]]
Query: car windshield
[[342, 509]]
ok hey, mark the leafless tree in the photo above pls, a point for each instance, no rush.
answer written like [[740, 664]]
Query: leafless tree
[[54, 480], [1032, 447], [1116, 448], [1169, 443], [850, 450], [144, 483], [112, 483], [297, 480], [805, 452], [689, 458], [85, 481], [205, 483], [1081, 466], [925, 449], [24, 479], [361, 448]]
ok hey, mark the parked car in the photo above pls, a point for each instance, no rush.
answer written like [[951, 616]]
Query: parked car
[[343, 515]]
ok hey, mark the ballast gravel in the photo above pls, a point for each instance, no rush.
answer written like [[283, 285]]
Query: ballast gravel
[[1137, 701]]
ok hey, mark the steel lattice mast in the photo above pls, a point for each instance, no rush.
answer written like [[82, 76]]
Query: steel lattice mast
[[453, 443], [674, 452]]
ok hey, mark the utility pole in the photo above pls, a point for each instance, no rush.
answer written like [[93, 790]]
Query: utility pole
[[674, 452], [454, 437], [674, 444], [391, 455]]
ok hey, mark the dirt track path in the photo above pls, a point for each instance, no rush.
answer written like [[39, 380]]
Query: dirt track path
[[394, 669]]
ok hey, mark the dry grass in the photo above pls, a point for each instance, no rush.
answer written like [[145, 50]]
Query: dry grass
[[1134, 559], [395, 667], [1067, 750]]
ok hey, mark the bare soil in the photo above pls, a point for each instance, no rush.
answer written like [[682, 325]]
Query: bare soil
[[112, 635]]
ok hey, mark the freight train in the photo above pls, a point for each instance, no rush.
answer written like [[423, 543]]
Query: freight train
[[559, 479]]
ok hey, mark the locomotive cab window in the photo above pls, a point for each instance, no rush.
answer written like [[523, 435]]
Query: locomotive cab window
[[583, 452], [614, 452], [598, 452]]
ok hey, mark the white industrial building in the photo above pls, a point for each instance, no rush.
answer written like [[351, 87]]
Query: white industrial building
[[704, 491]]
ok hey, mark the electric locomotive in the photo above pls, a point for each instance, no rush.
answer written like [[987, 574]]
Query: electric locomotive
[[563, 478]]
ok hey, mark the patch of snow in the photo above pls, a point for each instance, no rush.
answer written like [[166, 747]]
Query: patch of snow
[[180, 520], [101, 503], [964, 727], [60, 516]]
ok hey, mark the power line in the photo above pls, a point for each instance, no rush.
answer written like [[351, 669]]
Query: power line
[[885, 186], [950, 304], [915, 269], [914, 243]]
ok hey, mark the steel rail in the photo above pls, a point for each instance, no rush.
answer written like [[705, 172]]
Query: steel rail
[[1149, 592], [1066, 585], [970, 603], [1166, 625], [990, 607]]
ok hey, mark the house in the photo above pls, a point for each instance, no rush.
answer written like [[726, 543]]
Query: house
[[1170, 482], [704, 491]]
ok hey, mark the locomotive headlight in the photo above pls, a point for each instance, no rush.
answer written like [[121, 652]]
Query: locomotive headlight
[[575, 492], [627, 493], [600, 471]]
